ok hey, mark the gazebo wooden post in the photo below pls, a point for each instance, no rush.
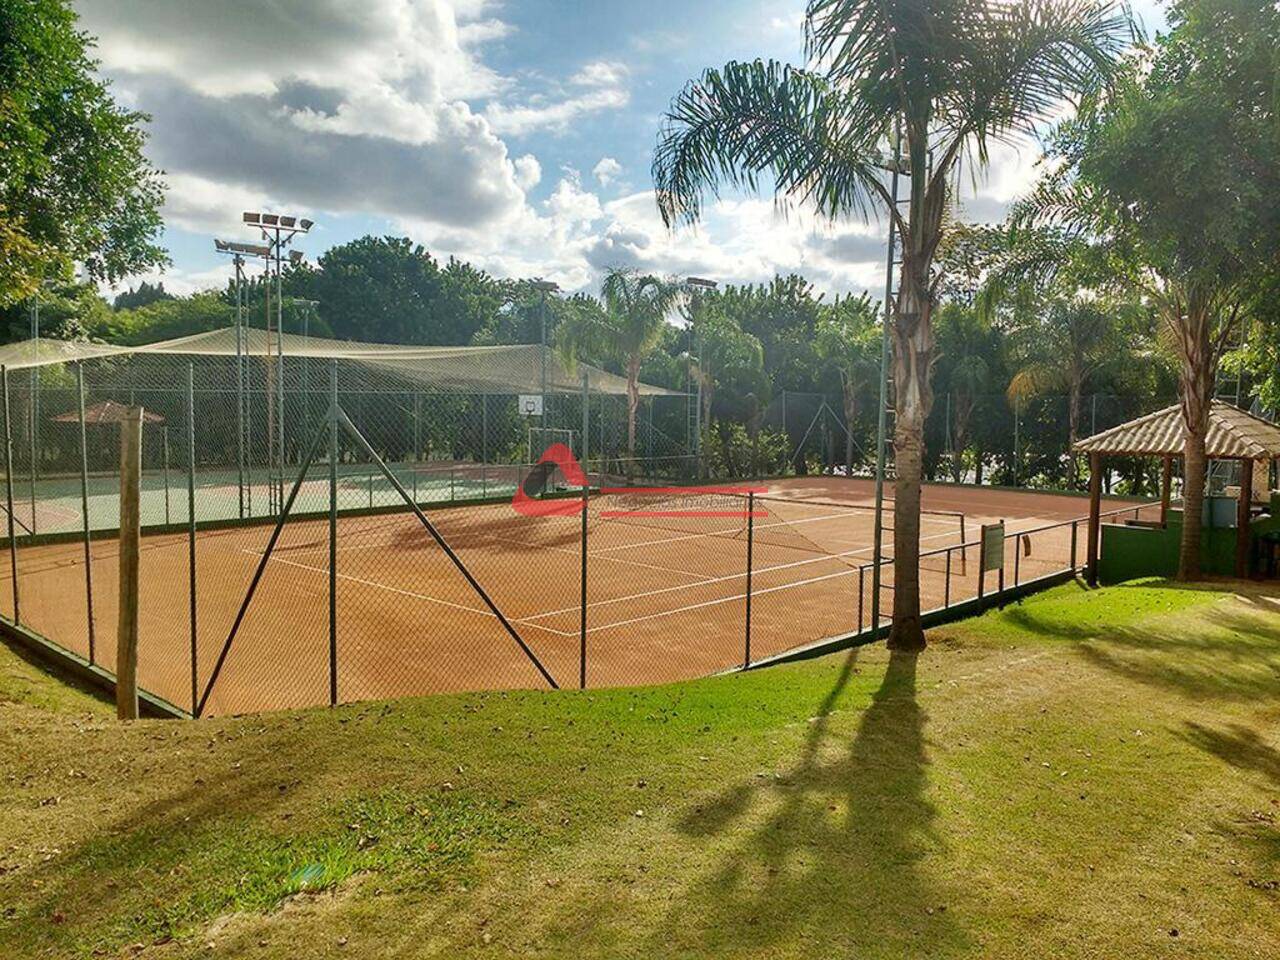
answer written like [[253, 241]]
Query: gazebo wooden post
[[1095, 517], [1242, 518], [1166, 484]]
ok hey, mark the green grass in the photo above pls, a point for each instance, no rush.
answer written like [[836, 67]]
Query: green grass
[[1083, 774]]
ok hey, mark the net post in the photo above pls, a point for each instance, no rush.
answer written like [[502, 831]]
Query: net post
[[84, 508], [582, 627], [1074, 533], [8, 489], [1017, 556], [751, 528], [191, 528], [964, 550], [130, 537], [333, 533]]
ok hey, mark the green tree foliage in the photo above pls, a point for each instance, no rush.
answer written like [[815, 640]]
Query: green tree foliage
[[145, 294], [75, 187], [942, 80], [1176, 175], [391, 290], [636, 309]]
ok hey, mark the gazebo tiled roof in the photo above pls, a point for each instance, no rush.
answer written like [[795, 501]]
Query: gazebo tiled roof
[[1234, 434]]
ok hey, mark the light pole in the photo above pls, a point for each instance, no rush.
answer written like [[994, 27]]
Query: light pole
[[544, 287], [698, 283], [238, 251], [279, 230]]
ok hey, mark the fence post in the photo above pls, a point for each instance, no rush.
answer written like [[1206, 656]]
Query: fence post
[[333, 534], [8, 489], [84, 507], [191, 526], [33, 403], [751, 526], [946, 589], [582, 630], [130, 535], [862, 579]]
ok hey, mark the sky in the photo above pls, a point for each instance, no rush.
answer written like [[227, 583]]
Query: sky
[[516, 134]]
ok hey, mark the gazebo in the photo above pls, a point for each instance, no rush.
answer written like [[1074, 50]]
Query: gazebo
[[1234, 434]]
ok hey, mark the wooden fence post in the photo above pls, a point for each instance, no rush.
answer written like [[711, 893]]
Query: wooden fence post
[[130, 535]]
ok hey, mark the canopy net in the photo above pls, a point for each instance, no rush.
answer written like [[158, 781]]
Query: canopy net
[[243, 406]]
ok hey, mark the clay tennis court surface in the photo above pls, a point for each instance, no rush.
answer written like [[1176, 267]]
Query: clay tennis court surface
[[666, 596]]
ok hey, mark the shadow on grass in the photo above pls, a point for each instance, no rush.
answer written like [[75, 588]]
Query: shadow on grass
[[1239, 746], [831, 851], [154, 846], [1219, 653]]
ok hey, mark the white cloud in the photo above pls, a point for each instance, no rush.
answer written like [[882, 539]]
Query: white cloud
[[554, 115], [601, 73], [528, 171], [606, 171], [321, 105]]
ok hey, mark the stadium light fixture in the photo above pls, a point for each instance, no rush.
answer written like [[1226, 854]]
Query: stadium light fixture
[[251, 217], [701, 282]]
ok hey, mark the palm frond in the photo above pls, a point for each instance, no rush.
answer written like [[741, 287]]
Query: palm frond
[[733, 126]]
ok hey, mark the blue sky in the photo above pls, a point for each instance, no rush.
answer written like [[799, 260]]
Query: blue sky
[[515, 134]]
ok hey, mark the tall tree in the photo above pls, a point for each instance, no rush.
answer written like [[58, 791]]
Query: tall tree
[[75, 187], [1060, 346], [636, 308], [946, 76], [849, 341], [966, 365], [1177, 176]]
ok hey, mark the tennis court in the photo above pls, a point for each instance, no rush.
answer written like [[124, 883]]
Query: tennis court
[[666, 591]]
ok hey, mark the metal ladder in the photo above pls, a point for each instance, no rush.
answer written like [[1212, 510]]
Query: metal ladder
[[887, 414]]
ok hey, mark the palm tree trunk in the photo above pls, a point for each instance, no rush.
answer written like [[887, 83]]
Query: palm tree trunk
[[633, 405], [1197, 377], [913, 354], [850, 409], [1073, 429]]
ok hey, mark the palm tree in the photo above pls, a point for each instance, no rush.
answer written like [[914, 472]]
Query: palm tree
[[965, 347], [636, 308], [946, 77], [1060, 347], [848, 340]]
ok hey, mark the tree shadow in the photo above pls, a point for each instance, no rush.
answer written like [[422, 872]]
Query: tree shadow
[[833, 850], [1223, 654], [1237, 745]]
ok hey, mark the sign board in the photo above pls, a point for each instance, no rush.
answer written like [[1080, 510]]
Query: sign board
[[992, 546], [531, 404]]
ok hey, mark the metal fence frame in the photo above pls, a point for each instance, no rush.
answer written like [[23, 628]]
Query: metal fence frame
[[323, 445]]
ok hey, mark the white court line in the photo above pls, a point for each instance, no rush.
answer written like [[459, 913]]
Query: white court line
[[409, 593], [698, 577], [735, 530], [731, 576]]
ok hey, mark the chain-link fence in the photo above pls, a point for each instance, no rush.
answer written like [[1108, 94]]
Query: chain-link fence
[[327, 528]]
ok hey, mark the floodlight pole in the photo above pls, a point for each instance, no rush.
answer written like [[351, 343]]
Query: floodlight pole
[[241, 345], [546, 287]]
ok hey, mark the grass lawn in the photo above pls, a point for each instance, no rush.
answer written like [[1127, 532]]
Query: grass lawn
[[1081, 775]]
